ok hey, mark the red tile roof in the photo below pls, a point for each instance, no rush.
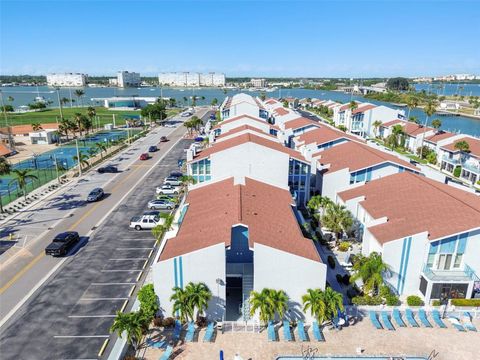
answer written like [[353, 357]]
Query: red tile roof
[[25, 129], [472, 142], [413, 129], [347, 106], [391, 123], [271, 101], [214, 209], [440, 135], [414, 204], [323, 135], [235, 118], [4, 150], [299, 123], [241, 128], [363, 108], [280, 111], [245, 138], [355, 156]]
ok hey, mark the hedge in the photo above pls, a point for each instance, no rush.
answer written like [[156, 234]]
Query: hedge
[[414, 300], [367, 300], [466, 302], [457, 171]]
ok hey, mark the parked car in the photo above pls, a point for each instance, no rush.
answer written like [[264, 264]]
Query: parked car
[[187, 114], [95, 195], [107, 169], [168, 198], [199, 139], [144, 156], [62, 243], [212, 116], [172, 181], [160, 205], [167, 189], [153, 148], [176, 174], [145, 222], [163, 139]]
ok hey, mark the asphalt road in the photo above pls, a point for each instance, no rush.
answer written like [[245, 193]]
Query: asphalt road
[[70, 314]]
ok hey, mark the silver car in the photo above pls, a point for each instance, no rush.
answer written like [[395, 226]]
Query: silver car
[[160, 205]]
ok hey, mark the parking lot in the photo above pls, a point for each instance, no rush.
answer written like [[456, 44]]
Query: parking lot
[[70, 316]]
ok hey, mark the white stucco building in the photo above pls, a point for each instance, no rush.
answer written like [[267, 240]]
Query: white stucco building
[[67, 80], [237, 235], [450, 157], [427, 232], [182, 79], [242, 104], [128, 79]]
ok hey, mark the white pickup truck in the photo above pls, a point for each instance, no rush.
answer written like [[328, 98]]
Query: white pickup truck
[[145, 222]]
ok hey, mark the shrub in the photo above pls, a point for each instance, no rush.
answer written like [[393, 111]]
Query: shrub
[[414, 300], [367, 300], [384, 291], [391, 300], [466, 302], [344, 246], [457, 171], [148, 300], [331, 261], [168, 322], [436, 303]]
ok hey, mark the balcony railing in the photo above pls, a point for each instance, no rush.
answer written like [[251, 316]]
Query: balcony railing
[[471, 167], [451, 160], [467, 274]]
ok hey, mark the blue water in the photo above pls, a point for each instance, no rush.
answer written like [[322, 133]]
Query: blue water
[[450, 89], [23, 95]]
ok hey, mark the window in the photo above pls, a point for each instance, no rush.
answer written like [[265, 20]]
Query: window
[[447, 254], [444, 262], [458, 260]]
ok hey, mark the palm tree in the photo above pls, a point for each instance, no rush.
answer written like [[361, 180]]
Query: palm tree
[[376, 124], [133, 324], [21, 178], [214, 102], [412, 102], [5, 169], [413, 119], [337, 219], [92, 152], [394, 138], [198, 295], [79, 122], [10, 99], [64, 100], [370, 270], [263, 302], [462, 146], [181, 306], [101, 147], [196, 122], [189, 125], [333, 301], [436, 124], [36, 127], [79, 93], [313, 300], [429, 110], [318, 202], [187, 179], [185, 100], [280, 302], [91, 113], [82, 160], [353, 105]]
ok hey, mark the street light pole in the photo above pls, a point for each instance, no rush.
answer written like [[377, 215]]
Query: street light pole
[[78, 157], [56, 167], [59, 103]]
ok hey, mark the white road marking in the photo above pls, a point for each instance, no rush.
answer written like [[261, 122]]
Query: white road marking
[[120, 270], [102, 299], [129, 259], [91, 316], [80, 336], [108, 284], [144, 248]]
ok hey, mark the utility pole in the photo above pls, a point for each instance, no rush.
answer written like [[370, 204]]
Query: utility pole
[[59, 103]]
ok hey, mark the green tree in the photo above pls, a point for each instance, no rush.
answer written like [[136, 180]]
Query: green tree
[[436, 124], [280, 302], [182, 307], [64, 100], [413, 119], [429, 109], [149, 304], [313, 301], [185, 100], [412, 103], [398, 84], [462, 146], [172, 102], [376, 124], [101, 147], [82, 159], [333, 301], [337, 219], [214, 102], [91, 113], [79, 94], [353, 106], [394, 138], [263, 302], [133, 324], [5, 169], [156, 111], [370, 270], [8, 108], [22, 178], [318, 202], [198, 295]]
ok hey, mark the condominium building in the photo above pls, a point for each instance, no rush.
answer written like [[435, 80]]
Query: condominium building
[[128, 79], [238, 235], [427, 232], [67, 79], [450, 158], [184, 79], [242, 104], [258, 83]]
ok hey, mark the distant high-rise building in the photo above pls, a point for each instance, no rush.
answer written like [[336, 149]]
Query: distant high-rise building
[[258, 83], [191, 79], [128, 79], [67, 79]]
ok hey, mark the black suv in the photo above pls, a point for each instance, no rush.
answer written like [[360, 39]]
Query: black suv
[[62, 243], [107, 169]]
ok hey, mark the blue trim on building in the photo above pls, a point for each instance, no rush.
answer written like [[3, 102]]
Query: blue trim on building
[[180, 264], [407, 257], [401, 266], [175, 271]]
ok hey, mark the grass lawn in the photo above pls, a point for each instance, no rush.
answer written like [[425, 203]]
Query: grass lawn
[[51, 115]]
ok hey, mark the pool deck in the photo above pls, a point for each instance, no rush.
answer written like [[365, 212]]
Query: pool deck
[[450, 344]]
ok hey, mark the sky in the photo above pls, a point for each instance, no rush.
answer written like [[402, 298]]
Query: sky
[[241, 38]]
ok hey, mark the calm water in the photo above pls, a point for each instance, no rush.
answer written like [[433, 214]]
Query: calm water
[[25, 95], [450, 89]]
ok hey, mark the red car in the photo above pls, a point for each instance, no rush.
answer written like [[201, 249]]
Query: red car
[[144, 156]]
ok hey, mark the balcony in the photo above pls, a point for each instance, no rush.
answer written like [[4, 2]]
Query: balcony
[[467, 274], [472, 167], [451, 160]]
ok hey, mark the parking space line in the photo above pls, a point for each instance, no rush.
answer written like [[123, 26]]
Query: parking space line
[[150, 253], [129, 259], [135, 239], [139, 275], [102, 299], [91, 316], [120, 270], [124, 306], [145, 264], [104, 346], [79, 336], [131, 291], [125, 248], [107, 284]]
